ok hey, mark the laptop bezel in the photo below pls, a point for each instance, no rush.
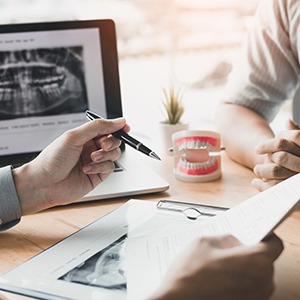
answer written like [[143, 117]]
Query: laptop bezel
[[110, 63]]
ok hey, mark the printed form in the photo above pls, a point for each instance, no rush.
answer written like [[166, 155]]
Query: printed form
[[149, 256]]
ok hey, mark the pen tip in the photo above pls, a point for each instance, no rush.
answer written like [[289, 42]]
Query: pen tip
[[154, 155]]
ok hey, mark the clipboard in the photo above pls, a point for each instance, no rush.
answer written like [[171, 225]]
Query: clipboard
[[250, 222], [134, 218], [192, 211], [148, 229]]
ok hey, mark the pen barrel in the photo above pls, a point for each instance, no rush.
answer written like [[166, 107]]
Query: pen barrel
[[129, 140], [124, 137], [142, 148]]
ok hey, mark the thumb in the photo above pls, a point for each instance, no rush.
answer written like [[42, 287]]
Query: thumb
[[291, 125], [99, 127]]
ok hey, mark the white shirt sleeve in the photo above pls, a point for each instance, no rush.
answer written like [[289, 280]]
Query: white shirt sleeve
[[267, 70], [10, 210]]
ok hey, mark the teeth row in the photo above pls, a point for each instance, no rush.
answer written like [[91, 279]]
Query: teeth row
[[195, 145], [51, 91], [196, 166], [49, 80], [10, 81], [36, 55]]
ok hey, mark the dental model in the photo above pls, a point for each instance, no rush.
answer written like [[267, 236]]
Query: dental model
[[197, 155]]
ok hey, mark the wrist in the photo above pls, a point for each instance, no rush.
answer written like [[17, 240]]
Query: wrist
[[29, 190]]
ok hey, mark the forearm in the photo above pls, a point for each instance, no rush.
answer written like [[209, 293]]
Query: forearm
[[29, 190], [241, 131]]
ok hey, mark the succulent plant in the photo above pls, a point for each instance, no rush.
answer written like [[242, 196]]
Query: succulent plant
[[172, 103]]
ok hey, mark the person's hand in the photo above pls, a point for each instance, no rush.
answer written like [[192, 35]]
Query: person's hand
[[69, 167], [281, 158], [222, 268]]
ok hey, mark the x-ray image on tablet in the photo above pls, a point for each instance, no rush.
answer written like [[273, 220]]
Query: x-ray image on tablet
[[50, 74], [42, 81], [105, 269]]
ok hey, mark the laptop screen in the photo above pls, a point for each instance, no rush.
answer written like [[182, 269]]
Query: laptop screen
[[50, 73]]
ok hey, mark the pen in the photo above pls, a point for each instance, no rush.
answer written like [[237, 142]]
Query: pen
[[125, 137]]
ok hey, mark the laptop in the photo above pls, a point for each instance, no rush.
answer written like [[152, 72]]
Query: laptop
[[50, 74]]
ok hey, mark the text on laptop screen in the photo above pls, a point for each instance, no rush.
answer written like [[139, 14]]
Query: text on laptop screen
[[47, 81]]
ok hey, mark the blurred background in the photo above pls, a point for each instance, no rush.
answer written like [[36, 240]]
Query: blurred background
[[200, 30], [188, 43]]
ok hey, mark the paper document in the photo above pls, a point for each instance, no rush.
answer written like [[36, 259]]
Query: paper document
[[250, 222], [91, 264], [126, 254]]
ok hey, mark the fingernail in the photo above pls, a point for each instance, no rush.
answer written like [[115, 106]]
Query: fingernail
[[97, 156], [119, 120], [87, 168], [254, 169], [107, 145]]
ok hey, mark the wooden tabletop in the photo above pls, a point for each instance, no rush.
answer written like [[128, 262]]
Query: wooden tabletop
[[39, 231]]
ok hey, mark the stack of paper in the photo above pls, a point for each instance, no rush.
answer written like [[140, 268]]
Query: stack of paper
[[250, 222]]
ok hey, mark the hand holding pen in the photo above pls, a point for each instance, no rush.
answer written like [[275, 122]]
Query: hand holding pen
[[125, 137]]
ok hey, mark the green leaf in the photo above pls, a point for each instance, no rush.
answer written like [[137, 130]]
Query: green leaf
[[172, 102]]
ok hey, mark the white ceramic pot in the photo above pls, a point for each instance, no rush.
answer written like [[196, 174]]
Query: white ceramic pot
[[166, 131]]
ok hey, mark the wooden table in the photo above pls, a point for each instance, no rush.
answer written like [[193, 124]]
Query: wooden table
[[39, 231]]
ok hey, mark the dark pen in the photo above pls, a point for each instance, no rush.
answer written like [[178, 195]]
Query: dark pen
[[125, 137]]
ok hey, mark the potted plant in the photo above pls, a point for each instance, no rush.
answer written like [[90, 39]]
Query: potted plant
[[172, 103], [173, 111]]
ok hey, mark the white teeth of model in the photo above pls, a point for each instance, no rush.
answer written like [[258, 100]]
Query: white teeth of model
[[202, 165], [181, 147]]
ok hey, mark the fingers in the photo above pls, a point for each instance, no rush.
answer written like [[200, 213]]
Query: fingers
[[282, 158], [288, 141], [221, 242], [107, 143], [272, 246], [269, 174], [291, 125], [273, 171], [102, 162], [98, 172], [287, 160], [239, 271], [97, 128], [101, 166], [101, 150], [262, 185]]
